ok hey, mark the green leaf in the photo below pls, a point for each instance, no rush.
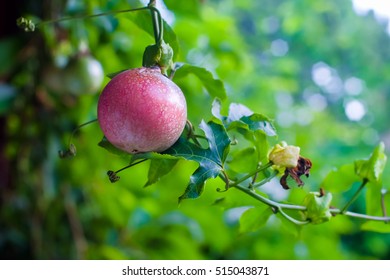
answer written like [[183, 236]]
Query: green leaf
[[317, 207], [214, 87], [189, 8], [211, 160], [254, 218], [158, 168], [254, 127], [244, 160], [376, 226], [341, 179], [105, 144], [243, 119], [371, 169], [219, 142], [373, 198], [238, 111]]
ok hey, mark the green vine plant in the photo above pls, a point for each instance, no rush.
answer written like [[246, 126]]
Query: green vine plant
[[236, 148]]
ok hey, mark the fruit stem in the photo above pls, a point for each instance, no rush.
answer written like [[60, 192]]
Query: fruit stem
[[156, 28], [131, 165], [158, 24], [113, 175], [78, 128], [71, 151]]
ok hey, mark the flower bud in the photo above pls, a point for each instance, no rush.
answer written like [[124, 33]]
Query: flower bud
[[284, 155], [317, 207]]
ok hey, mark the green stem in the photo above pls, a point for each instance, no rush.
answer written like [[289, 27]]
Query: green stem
[[92, 16], [268, 201], [360, 216], [157, 21], [266, 180], [280, 206], [354, 197], [259, 169], [78, 128], [291, 219], [131, 165]]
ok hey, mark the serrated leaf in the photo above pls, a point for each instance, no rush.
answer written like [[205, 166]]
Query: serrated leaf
[[340, 179], [252, 123], [243, 119], [372, 168], [214, 87], [211, 160], [254, 127], [158, 168], [143, 21], [254, 218], [238, 111], [219, 142], [376, 226]]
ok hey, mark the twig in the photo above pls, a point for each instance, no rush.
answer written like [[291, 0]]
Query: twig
[[259, 169], [279, 207]]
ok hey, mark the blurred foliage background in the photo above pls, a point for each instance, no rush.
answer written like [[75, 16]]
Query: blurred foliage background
[[316, 67]]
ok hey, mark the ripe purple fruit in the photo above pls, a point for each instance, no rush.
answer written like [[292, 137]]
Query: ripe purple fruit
[[141, 110]]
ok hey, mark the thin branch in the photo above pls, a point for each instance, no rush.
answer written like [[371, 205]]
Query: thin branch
[[261, 168], [291, 219], [264, 181], [268, 201], [155, 20], [78, 128], [91, 16], [279, 207], [360, 216], [131, 165]]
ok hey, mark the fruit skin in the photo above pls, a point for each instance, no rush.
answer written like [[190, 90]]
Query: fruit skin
[[141, 110]]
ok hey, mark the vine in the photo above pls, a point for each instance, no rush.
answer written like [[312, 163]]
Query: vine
[[218, 158]]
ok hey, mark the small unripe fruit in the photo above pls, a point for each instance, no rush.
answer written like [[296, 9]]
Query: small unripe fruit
[[141, 110], [83, 75]]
